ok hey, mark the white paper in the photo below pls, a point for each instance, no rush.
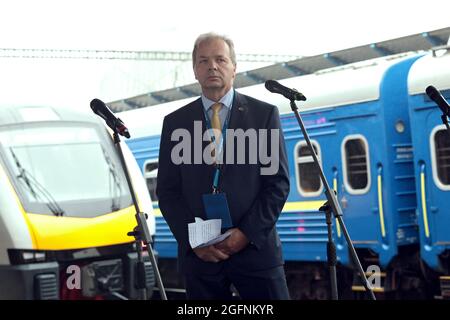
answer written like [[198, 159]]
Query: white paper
[[220, 238], [205, 232]]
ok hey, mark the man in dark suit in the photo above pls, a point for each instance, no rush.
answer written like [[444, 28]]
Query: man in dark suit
[[250, 258]]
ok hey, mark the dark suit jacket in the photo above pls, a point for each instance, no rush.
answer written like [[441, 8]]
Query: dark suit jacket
[[255, 200]]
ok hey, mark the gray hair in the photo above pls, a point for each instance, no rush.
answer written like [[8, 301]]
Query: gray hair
[[212, 36]]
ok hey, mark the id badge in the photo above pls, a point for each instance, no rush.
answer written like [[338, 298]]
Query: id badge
[[216, 207]]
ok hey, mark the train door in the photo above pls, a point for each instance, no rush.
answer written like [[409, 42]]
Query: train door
[[435, 213], [357, 202]]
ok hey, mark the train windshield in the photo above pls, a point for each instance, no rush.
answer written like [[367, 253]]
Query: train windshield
[[71, 171]]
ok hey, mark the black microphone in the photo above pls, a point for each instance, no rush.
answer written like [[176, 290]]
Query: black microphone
[[291, 94], [100, 108], [437, 97]]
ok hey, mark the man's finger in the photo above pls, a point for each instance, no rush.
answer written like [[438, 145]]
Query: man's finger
[[219, 253]]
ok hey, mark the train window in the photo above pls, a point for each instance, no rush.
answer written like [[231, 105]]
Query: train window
[[307, 174], [441, 157], [68, 168], [150, 174], [355, 153]]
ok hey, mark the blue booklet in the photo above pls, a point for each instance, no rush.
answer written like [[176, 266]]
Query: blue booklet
[[216, 207]]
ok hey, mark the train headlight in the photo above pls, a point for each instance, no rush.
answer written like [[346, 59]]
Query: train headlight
[[30, 256], [400, 126], [26, 256]]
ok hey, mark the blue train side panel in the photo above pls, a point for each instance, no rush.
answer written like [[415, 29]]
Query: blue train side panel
[[301, 226], [431, 159], [382, 216]]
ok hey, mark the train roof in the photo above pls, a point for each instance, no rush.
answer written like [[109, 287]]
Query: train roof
[[350, 84], [433, 70], [26, 114]]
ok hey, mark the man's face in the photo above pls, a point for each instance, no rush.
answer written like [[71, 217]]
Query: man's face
[[213, 67]]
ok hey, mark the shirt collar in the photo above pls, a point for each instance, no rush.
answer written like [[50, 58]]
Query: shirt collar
[[227, 100]]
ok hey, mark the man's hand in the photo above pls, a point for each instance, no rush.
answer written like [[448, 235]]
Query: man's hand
[[234, 243], [210, 254]]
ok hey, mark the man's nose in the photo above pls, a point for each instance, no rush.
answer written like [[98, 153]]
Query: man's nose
[[212, 65]]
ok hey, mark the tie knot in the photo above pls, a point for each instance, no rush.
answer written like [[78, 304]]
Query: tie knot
[[216, 108]]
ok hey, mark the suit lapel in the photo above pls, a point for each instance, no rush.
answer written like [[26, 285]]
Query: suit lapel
[[197, 111], [198, 114], [239, 113]]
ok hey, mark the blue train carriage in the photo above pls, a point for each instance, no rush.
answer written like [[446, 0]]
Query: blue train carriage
[[357, 119], [432, 165], [358, 122], [65, 208]]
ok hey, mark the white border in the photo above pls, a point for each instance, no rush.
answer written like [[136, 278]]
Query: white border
[[436, 179], [297, 173], [344, 164]]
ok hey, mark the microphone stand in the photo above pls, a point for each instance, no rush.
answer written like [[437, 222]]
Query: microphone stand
[[331, 251], [140, 233], [332, 205]]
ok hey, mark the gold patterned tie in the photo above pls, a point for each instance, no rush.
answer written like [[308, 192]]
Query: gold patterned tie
[[215, 123]]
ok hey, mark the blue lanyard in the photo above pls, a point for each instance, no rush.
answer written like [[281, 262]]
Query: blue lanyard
[[219, 146]]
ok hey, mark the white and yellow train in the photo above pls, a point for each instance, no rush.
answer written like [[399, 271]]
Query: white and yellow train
[[65, 208]]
